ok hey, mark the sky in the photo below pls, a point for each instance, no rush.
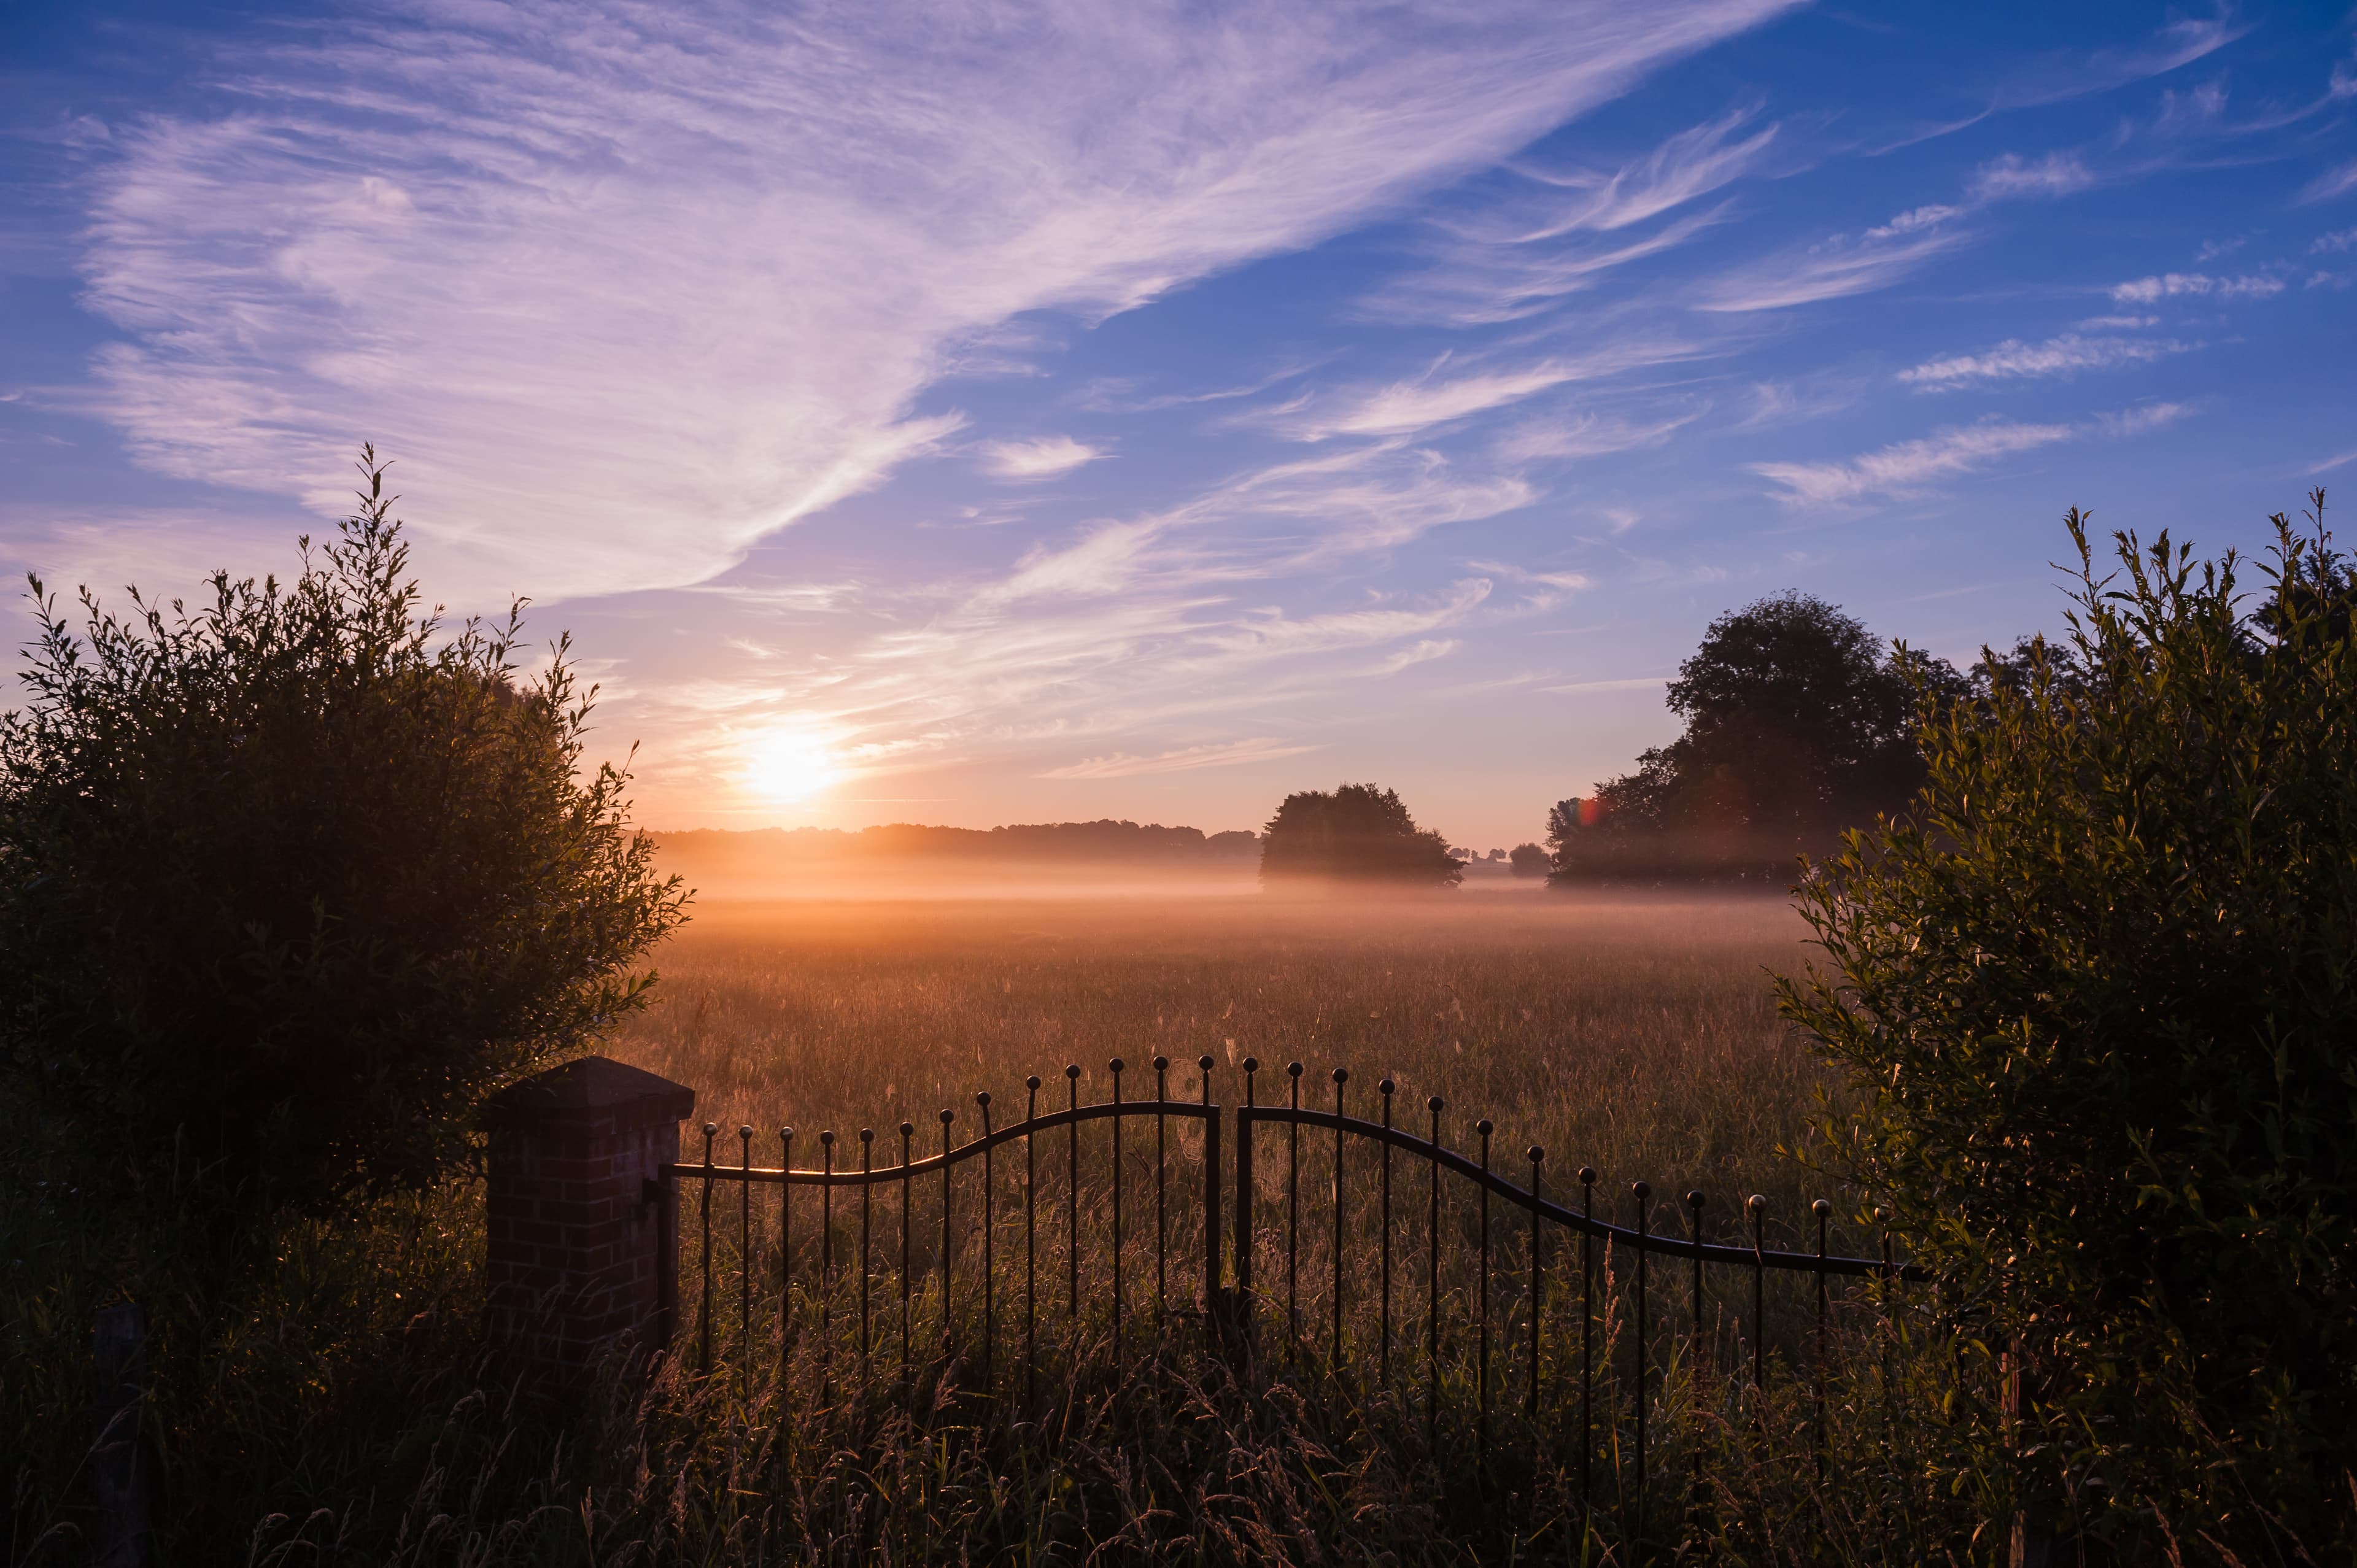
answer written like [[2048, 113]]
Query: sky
[[983, 412]]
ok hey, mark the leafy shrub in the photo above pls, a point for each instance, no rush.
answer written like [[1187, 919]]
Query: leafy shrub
[[2098, 995], [290, 882]]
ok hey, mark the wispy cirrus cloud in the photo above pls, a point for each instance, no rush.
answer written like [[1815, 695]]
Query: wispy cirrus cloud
[[1444, 394], [1832, 269], [1528, 250], [2012, 177], [2014, 359], [2176, 286], [419, 222], [1906, 467], [1047, 457], [1186, 759]]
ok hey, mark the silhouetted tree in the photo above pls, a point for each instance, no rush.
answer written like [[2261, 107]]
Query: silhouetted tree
[[1359, 833], [1797, 725], [290, 883], [1529, 860]]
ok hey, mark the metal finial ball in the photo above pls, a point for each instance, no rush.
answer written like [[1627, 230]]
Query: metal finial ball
[[745, 1132], [785, 1131], [1072, 1069], [710, 1128], [1252, 1064], [1204, 1063], [1588, 1176], [1162, 1064], [948, 1116], [1757, 1202], [1694, 1199], [827, 1138], [1882, 1215], [867, 1134], [1387, 1086], [1032, 1082], [1117, 1065], [983, 1099], [1821, 1208], [1341, 1075], [1436, 1103], [1484, 1127], [1641, 1190], [1293, 1069], [908, 1128], [1536, 1154]]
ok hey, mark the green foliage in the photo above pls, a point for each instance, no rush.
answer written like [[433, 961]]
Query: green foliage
[[1797, 727], [290, 882], [1357, 834], [2098, 995]]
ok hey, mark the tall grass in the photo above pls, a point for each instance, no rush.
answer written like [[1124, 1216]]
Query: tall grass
[[346, 1410]]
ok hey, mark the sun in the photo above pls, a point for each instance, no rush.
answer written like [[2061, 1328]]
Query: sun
[[790, 764]]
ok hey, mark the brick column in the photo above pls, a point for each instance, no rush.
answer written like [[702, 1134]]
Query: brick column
[[575, 1250]]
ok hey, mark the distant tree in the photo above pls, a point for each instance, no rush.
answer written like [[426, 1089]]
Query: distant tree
[[1529, 860], [290, 883], [1797, 725], [1359, 833], [2095, 997]]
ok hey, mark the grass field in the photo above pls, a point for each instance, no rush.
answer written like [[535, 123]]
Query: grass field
[[351, 1412], [1633, 1033]]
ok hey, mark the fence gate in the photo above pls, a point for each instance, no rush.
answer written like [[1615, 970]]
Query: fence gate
[[1432, 1276]]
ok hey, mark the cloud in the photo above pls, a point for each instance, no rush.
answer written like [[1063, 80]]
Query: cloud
[[628, 288], [1525, 251], [2332, 463], [2332, 182], [2014, 359], [1632, 683], [2336, 243], [2172, 285], [1417, 404], [1907, 466], [2180, 43], [1122, 765], [1424, 650], [1041, 459], [1832, 270], [2012, 177], [1692, 162]]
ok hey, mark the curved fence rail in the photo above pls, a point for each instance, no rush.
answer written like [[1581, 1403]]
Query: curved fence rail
[[1436, 1264]]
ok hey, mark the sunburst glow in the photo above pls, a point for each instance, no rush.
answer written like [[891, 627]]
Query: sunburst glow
[[790, 765]]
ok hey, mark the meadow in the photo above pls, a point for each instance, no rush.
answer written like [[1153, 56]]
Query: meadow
[[352, 1412]]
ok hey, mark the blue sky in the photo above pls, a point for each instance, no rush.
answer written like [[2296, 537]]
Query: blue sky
[[981, 413]]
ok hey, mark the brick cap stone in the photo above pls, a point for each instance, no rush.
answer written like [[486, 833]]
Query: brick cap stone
[[593, 1087]]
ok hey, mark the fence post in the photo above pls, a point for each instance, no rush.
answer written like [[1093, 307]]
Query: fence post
[[121, 1468], [576, 1251]]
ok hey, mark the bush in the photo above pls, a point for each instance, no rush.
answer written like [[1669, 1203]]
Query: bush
[[2098, 995], [289, 883], [1358, 834]]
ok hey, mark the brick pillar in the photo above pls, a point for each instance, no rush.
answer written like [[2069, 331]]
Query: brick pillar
[[574, 1248]]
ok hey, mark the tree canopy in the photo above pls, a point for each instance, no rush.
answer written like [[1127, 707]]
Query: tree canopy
[[290, 881], [1797, 725], [2096, 996], [1358, 833]]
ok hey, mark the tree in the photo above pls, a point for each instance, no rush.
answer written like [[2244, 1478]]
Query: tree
[[1797, 725], [1357, 834], [2096, 997], [289, 883], [1529, 860]]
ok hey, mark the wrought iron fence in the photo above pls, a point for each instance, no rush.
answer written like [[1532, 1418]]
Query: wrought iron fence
[[1477, 1278]]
